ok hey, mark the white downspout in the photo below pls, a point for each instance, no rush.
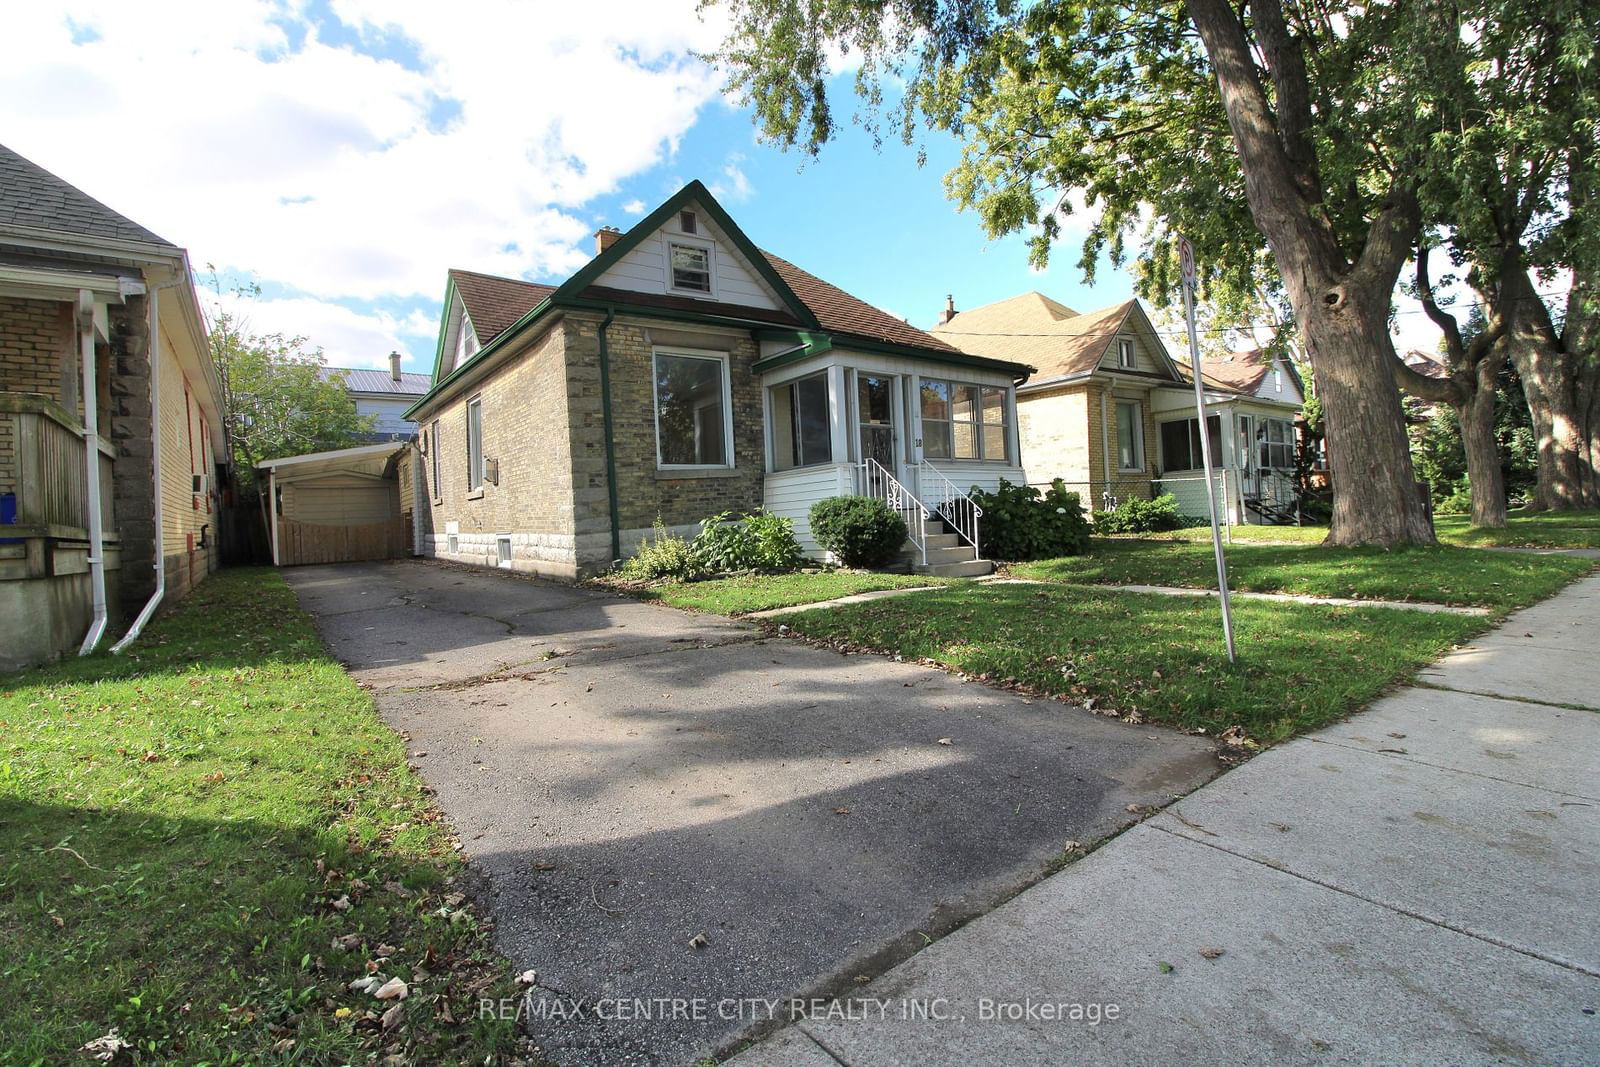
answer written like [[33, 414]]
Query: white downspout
[[154, 348], [91, 448]]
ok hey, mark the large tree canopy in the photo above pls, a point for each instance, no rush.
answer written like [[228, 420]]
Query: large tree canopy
[[1305, 128], [275, 400]]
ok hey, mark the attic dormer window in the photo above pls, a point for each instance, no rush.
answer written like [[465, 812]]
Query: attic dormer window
[[690, 266], [1125, 353], [687, 222]]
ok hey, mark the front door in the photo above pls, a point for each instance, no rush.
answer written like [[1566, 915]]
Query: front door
[[875, 417]]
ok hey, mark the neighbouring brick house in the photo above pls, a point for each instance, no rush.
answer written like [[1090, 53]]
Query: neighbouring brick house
[[680, 374], [1112, 414], [99, 324]]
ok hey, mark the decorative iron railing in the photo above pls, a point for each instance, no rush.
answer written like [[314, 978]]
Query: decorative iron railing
[[874, 479], [950, 502]]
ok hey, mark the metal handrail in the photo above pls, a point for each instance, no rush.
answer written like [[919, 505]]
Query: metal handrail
[[951, 503], [874, 479]]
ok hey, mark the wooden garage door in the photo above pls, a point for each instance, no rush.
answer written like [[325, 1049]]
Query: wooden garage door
[[341, 524]]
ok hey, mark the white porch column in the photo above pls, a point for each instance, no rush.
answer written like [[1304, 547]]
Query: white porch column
[[838, 414], [1014, 434], [272, 511]]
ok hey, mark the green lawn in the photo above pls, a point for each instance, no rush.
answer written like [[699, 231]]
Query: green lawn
[[1524, 529], [760, 592], [185, 831], [1443, 575], [1162, 657]]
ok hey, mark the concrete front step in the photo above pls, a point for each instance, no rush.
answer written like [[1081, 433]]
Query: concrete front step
[[955, 554], [970, 568]]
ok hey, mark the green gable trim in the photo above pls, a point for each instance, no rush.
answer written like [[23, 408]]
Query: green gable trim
[[444, 320], [478, 357], [656, 219]]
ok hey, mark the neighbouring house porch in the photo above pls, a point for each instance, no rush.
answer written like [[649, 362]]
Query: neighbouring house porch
[[45, 593]]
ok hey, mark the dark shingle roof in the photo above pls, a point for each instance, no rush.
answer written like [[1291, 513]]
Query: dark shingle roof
[[494, 304], [839, 312], [368, 380], [32, 196]]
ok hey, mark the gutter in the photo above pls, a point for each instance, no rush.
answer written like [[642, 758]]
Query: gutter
[[91, 454], [611, 447], [150, 605]]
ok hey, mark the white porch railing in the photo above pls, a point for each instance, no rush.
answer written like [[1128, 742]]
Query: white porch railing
[[874, 479], [951, 503]]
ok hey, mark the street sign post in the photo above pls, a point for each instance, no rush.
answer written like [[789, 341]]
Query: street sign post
[[1186, 263]]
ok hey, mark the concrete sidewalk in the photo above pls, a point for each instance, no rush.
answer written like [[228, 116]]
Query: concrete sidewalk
[[1417, 884]]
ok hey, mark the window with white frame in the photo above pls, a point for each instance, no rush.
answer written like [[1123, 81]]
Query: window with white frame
[[475, 444], [964, 421], [1180, 443], [1275, 441], [694, 424], [1125, 353], [1130, 435], [689, 267], [802, 425], [502, 551], [433, 460]]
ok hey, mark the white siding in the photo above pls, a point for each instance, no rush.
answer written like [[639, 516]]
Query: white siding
[[984, 476], [791, 494], [644, 268]]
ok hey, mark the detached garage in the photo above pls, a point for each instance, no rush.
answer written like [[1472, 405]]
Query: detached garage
[[338, 507]]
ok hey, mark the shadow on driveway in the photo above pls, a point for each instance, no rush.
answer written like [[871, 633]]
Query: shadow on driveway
[[630, 778]]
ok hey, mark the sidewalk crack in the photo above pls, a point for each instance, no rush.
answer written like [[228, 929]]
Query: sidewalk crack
[[1455, 770]]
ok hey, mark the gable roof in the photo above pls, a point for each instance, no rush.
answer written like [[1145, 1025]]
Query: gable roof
[[494, 304], [369, 380], [31, 196], [1026, 329], [1239, 372]]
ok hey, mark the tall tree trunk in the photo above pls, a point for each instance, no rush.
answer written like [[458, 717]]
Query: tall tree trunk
[[1485, 475], [1375, 497], [1342, 306], [1553, 380]]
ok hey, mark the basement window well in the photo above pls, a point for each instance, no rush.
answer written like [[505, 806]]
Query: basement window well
[[502, 548]]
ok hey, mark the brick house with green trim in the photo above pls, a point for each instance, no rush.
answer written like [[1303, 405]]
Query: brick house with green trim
[[681, 373]]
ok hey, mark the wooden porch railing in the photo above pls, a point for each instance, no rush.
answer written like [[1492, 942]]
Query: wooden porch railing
[[41, 462]]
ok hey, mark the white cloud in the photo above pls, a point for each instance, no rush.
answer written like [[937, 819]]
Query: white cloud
[[734, 185], [243, 132], [634, 207]]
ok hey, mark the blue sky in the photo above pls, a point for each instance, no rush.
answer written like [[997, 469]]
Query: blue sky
[[343, 154]]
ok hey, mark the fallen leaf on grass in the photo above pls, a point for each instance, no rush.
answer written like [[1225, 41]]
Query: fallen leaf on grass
[[370, 983], [391, 1018], [393, 989], [1213, 953]]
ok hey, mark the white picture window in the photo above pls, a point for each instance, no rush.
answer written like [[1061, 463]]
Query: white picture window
[[802, 425], [689, 267], [475, 444], [1276, 438], [1130, 435], [1125, 353], [694, 420]]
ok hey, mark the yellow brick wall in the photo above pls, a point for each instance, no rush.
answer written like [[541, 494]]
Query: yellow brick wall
[[1064, 436], [183, 514], [525, 428]]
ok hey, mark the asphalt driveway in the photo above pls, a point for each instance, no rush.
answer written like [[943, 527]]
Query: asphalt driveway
[[681, 819]]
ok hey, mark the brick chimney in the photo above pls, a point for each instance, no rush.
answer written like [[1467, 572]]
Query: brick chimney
[[605, 237], [394, 365], [949, 309]]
